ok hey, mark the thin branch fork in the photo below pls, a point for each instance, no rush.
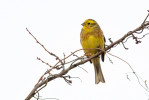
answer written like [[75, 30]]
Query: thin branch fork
[[64, 72]]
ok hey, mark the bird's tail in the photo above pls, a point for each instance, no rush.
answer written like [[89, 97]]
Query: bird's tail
[[98, 72]]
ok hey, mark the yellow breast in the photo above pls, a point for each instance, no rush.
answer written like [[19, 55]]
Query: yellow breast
[[92, 42]]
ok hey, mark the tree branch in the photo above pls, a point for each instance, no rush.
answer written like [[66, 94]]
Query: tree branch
[[74, 64]]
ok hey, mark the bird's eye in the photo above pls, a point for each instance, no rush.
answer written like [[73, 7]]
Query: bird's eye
[[88, 23]]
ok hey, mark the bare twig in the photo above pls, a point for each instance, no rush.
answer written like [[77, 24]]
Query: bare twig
[[43, 61], [67, 80], [138, 79], [83, 69], [74, 63], [124, 46], [110, 40], [109, 59], [143, 36], [57, 58]]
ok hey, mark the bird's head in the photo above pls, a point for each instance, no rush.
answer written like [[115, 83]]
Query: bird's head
[[89, 24]]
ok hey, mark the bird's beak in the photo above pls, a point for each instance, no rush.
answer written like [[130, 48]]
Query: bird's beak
[[83, 24]]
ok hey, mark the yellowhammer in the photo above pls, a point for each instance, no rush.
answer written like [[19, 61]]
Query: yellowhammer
[[92, 37]]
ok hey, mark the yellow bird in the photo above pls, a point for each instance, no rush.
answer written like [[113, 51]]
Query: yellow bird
[[92, 37]]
